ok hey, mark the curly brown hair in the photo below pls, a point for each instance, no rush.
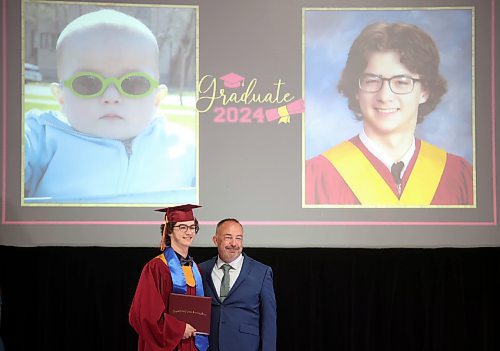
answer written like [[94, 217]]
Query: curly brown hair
[[417, 52]]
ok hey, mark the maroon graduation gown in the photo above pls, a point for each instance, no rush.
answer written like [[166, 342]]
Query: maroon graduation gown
[[157, 330]]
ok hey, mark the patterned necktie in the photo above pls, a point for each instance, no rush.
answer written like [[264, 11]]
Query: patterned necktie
[[396, 171], [224, 284], [396, 174]]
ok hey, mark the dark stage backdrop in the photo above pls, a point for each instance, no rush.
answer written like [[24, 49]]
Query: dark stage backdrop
[[62, 298]]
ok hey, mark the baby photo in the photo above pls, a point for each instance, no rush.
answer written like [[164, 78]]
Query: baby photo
[[109, 105]]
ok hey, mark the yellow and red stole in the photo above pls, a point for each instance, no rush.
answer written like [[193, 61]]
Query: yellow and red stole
[[356, 170]]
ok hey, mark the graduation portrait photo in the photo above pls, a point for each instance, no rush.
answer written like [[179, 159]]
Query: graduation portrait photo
[[389, 117]]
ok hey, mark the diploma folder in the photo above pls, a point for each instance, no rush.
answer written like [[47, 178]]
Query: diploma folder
[[191, 309]]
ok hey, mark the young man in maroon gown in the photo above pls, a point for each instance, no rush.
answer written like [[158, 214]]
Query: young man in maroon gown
[[392, 81], [173, 271]]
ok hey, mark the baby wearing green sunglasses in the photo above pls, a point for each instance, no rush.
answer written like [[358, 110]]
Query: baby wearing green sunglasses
[[109, 135]]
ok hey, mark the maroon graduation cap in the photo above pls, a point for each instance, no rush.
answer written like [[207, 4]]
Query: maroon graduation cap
[[179, 213]]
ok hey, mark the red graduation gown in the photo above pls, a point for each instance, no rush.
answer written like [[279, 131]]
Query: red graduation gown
[[324, 184], [157, 330]]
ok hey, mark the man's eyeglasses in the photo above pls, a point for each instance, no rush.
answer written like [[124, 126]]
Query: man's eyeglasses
[[372, 83], [184, 228], [89, 85]]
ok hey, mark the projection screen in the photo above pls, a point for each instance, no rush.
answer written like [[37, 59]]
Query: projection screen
[[284, 115]]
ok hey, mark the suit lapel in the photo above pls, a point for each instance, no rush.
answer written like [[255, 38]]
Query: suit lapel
[[245, 270], [209, 280]]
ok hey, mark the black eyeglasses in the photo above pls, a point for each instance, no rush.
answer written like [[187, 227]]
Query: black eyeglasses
[[402, 84], [184, 228]]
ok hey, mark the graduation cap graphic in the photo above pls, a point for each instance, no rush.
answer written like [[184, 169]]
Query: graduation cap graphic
[[233, 80]]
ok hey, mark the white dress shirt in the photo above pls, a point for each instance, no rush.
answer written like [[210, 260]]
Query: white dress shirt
[[379, 153], [218, 273]]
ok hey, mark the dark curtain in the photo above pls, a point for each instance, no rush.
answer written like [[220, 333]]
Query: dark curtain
[[77, 298]]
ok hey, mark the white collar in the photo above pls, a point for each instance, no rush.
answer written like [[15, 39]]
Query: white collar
[[236, 264], [380, 154]]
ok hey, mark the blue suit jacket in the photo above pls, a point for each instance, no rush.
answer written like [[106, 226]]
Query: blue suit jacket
[[246, 320]]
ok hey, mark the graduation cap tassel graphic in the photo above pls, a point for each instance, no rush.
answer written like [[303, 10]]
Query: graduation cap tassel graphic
[[284, 112]]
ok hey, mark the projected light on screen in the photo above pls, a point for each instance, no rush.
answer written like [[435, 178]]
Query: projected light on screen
[[227, 114]]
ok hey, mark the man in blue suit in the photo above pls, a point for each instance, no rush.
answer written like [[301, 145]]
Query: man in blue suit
[[243, 301]]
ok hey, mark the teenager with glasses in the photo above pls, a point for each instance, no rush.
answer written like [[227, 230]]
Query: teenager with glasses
[[173, 271], [109, 143], [392, 82]]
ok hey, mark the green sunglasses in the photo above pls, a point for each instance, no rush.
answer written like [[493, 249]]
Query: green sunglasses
[[89, 85]]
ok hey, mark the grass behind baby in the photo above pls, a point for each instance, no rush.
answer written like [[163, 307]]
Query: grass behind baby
[[39, 96]]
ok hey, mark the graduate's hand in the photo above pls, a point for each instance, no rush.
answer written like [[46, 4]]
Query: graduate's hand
[[189, 331]]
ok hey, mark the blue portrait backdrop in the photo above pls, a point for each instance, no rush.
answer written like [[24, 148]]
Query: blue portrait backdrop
[[329, 34]]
